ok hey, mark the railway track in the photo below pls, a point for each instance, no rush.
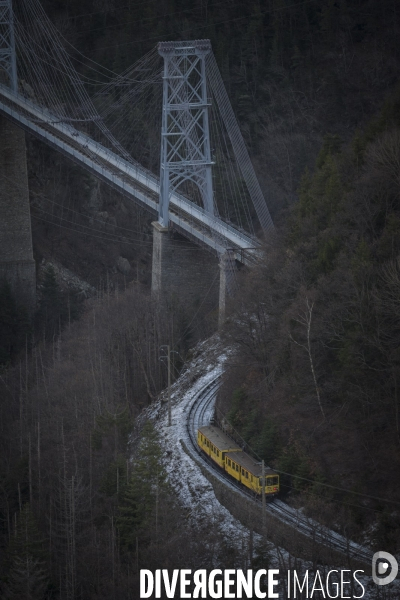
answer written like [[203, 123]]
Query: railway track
[[200, 414]]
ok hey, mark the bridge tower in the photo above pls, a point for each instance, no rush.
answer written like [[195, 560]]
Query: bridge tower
[[183, 272], [185, 138], [8, 62], [16, 255]]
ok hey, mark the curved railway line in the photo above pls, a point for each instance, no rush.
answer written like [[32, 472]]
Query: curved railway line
[[200, 414]]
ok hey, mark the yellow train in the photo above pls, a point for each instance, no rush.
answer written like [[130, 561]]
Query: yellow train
[[239, 465]]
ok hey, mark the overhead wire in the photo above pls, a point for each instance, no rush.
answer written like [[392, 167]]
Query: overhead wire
[[76, 88], [232, 179], [236, 184], [238, 145], [92, 29], [86, 105], [143, 81], [184, 244], [109, 237], [330, 499], [307, 479]]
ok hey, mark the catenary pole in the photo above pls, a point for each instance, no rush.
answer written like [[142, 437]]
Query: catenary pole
[[263, 491], [169, 385]]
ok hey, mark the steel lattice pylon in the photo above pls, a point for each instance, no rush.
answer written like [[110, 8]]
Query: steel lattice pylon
[[185, 138], [7, 43]]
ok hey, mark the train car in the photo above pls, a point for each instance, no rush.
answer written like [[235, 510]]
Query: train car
[[239, 465], [248, 472], [215, 443]]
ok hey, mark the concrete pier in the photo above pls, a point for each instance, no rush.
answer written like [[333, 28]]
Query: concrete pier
[[16, 255], [227, 282], [183, 274]]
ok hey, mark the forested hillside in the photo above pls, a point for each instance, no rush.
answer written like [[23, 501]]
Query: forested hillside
[[314, 387], [294, 71], [316, 391]]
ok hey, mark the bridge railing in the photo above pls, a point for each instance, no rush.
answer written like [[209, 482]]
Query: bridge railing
[[42, 116]]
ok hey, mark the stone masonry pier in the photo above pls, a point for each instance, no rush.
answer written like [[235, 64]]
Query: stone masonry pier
[[184, 274], [16, 257]]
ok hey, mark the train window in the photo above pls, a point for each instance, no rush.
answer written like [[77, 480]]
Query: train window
[[218, 453], [237, 468], [269, 481], [247, 475], [242, 471]]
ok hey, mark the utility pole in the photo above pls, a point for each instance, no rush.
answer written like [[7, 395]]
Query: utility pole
[[169, 385], [263, 491], [168, 347], [169, 353]]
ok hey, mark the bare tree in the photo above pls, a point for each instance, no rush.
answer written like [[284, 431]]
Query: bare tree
[[304, 318]]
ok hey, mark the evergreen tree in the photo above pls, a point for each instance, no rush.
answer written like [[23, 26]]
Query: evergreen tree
[[56, 307], [27, 576], [147, 483], [13, 324], [52, 308]]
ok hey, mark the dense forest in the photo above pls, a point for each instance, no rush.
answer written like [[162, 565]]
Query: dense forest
[[313, 386]]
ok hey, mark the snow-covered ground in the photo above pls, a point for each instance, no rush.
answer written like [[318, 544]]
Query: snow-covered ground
[[194, 491]]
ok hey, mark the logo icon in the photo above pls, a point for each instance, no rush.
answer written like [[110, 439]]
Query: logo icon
[[384, 563]]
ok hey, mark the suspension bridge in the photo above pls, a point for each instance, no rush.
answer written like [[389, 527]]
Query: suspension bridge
[[163, 133]]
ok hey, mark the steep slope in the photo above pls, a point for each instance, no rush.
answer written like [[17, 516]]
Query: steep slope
[[316, 387]]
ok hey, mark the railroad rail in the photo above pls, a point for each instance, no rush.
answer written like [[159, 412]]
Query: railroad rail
[[200, 414]]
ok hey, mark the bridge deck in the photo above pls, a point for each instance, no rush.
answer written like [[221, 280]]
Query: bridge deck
[[131, 179]]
